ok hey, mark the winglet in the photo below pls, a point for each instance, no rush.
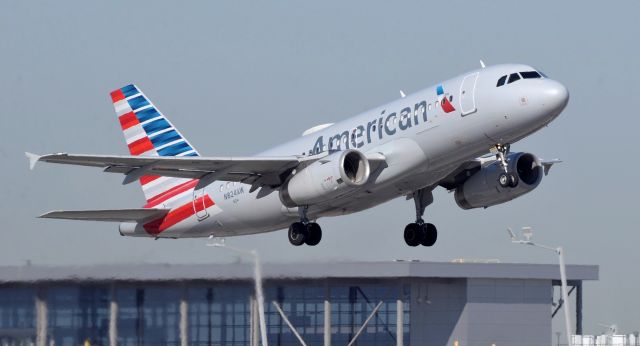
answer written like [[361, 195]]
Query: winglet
[[33, 159], [547, 165]]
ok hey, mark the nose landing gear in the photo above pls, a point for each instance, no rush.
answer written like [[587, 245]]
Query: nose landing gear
[[419, 232], [506, 179], [304, 232]]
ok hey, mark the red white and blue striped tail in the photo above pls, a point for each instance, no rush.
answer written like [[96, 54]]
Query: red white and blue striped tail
[[149, 133]]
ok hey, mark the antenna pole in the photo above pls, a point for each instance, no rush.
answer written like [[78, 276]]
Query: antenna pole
[[565, 294]]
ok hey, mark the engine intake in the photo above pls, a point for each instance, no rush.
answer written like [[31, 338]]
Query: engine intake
[[483, 190], [333, 176]]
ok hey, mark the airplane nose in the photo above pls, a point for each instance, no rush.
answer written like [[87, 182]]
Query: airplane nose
[[556, 95]]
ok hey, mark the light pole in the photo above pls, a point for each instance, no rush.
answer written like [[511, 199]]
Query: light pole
[[527, 233], [257, 277]]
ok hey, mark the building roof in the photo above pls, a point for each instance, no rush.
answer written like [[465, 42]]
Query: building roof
[[244, 271]]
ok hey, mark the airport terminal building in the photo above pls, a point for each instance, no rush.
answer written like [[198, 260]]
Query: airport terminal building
[[342, 303]]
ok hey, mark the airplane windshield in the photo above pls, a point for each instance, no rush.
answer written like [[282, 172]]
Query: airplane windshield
[[514, 77], [530, 74]]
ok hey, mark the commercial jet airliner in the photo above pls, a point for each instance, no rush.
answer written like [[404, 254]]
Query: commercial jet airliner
[[455, 134]]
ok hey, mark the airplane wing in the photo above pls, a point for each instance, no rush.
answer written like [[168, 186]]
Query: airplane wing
[[113, 215], [255, 170]]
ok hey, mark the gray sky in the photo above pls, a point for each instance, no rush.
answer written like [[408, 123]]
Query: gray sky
[[236, 78]]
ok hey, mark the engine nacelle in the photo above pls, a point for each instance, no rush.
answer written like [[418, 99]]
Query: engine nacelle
[[325, 179], [483, 190]]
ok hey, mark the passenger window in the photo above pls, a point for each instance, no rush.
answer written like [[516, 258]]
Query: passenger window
[[530, 74], [501, 81], [513, 77]]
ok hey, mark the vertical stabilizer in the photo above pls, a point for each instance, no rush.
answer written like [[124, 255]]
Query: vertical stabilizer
[[148, 132]]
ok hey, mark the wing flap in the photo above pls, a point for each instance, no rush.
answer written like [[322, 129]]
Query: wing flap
[[109, 215]]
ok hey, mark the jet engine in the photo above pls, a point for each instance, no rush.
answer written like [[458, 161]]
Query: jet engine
[[330, 177], [483, 189]]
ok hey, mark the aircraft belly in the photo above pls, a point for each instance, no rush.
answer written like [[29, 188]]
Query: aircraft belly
[[242, 212]]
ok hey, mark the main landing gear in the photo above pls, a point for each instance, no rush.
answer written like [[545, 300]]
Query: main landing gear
[[304, 232], [419, 232], [506, 179]]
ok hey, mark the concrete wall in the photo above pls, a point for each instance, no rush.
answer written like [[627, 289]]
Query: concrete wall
[[481, 312], [437, 308]]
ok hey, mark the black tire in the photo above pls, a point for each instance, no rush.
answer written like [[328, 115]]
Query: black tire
[[430, 234], [504, 180], [513, 180], [412, 234], [314, 234], [297, 233]]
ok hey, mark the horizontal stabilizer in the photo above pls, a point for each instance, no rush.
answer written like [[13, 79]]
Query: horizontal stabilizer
[[112, 215]]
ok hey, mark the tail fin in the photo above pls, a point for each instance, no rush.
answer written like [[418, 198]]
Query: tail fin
[[149, 133]]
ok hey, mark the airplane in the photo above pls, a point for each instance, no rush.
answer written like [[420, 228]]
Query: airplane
[[456, 134]]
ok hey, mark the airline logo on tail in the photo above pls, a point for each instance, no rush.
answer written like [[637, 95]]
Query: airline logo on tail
[[146, 130], [149, 133]]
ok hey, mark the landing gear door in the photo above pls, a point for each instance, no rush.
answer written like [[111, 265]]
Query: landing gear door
[[468, 94], [199, 204]]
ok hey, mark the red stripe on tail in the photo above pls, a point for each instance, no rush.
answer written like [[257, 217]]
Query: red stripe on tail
[[117, 95], [128, 120], [140, 146], [148, 178]]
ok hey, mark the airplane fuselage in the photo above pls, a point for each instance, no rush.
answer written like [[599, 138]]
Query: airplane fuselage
[[423, 137]]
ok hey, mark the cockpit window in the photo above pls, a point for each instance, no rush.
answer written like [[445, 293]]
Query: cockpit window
[[513, 77], [542, 74], [501, 81], [530, 74]]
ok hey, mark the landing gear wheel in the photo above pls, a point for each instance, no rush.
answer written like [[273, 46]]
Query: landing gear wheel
[[508, 180], [430, 234], [297, 233], [503, 179], [513, 180], [413, 234], [314, 234]]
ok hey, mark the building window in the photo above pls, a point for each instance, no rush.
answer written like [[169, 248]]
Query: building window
[[77, 314], [149, 315]]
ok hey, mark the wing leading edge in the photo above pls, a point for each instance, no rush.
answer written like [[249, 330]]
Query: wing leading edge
[[254, 170], [257, 170]]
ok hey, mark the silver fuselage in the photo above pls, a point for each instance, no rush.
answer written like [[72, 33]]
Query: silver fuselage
[[420, 151]]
